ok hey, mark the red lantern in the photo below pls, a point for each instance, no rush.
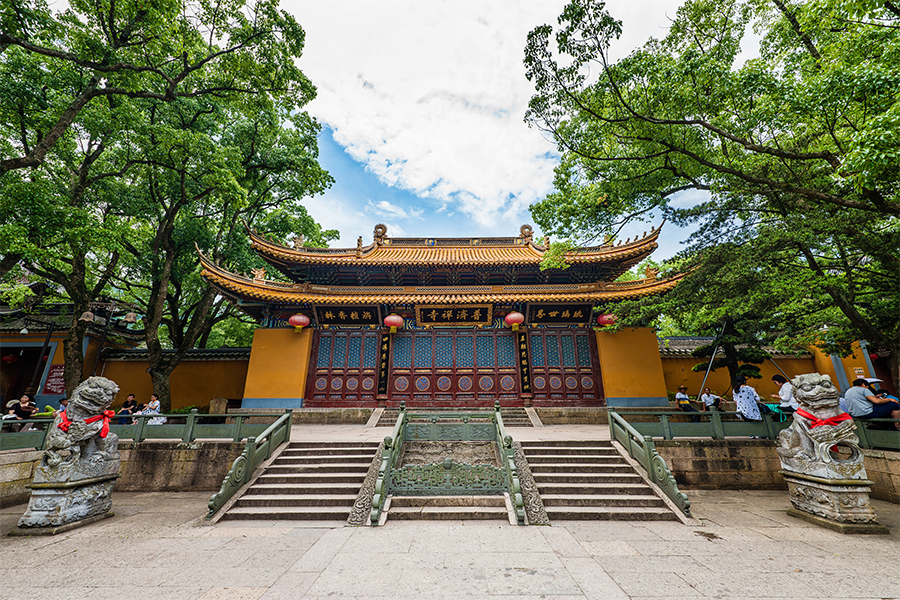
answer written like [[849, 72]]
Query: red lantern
[[299, 321], [10, 359], [393, 321], [607, 319], [514, 319], [873, 356]]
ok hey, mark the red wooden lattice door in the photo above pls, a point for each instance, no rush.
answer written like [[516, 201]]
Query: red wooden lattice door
[[562, 368], [344, 368], [454, 367]]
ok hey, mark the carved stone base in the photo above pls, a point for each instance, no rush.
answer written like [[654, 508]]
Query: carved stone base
[[837, 500], [54, 504], [858, 528], [39, 531]]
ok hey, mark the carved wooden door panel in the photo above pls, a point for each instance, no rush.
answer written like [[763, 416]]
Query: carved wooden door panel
[[563, 370], [343, 368], [463, 368]]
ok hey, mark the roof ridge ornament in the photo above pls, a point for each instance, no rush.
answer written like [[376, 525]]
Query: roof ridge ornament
[[526, 232], [380, 233]]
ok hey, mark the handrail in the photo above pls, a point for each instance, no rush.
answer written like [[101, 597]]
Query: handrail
[[505, 442], [642, 449], [256, 451], [719, 429], [390, 453], [139, 429]]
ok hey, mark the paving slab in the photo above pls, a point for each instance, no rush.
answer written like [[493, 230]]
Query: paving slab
[[742, 545]]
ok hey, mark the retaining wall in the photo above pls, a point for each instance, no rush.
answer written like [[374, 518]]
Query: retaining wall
[[754, 464]]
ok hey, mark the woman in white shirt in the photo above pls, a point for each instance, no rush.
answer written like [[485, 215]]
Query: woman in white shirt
[[746, 399]]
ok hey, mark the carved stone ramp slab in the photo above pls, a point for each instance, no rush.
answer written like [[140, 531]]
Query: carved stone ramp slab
[[443, 508], [309, 481], [590, 480]]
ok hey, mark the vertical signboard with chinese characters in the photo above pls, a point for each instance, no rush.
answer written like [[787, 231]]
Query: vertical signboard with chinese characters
[[384, 352], [522, 345]]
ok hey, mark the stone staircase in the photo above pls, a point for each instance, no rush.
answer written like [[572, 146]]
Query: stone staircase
[[589, 480], [514, 416], [442, 508], [308, 481]]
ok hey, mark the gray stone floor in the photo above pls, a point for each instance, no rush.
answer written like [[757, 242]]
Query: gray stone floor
[[742, 546]]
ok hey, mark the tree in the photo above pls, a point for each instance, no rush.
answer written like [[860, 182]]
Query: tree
[[798, 150]]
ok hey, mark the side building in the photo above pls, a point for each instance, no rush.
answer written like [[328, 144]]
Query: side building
[[444, 322]]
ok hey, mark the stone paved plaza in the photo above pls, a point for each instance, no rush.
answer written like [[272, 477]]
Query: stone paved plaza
[[742, 545]]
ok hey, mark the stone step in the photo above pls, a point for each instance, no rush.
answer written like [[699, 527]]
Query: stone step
[[286, 469], [585, 459], [566, 443], [287, 513], [327, 445], [322, 459], [297, 500], [588, 478], [631, 488], [579, 468], [310, 478], [572, 451], [407, 501], [601, 500], [350, 487], [329, 451], [609, 513], [447, 513]]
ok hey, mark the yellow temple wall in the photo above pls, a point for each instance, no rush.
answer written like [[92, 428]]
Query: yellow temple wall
[[631, 369], [192, 383], [678, 372], [279, 361]]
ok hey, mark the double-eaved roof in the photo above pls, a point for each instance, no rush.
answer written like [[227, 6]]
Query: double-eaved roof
[[440, 271]]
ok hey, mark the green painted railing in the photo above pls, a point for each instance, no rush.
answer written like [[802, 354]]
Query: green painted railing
[[256, 451], [669, 425], [642, 449], [183, 427], [446, 477]]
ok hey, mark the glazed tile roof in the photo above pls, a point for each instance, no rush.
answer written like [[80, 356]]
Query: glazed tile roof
[[385, 251], [238, 286], [682, 346]]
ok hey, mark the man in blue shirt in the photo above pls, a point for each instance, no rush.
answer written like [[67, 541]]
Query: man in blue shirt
[[863, 404]]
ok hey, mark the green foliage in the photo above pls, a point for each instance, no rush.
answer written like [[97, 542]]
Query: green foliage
[[797, 151]]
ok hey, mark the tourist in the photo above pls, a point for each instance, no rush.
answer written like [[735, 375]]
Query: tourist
[[153, 409], [746, 399], [23, 409], [863, 404], [785, 395], [129, 407], [62, 406], [710, 400], [684, 403]]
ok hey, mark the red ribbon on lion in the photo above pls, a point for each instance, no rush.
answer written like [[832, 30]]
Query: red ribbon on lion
[[816, 422], [106, 415]]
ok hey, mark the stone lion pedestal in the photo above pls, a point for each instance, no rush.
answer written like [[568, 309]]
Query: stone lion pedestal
[[73, 484], [821, 461]]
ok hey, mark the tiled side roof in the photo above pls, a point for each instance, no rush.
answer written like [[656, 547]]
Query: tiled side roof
[[272, 291], [206, 354], [681, 347]]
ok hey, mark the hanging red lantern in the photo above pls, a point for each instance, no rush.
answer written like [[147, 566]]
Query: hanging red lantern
[[10, 359], [299, 321], [393, 321], [873, 356], [514, 319], [607, 319]]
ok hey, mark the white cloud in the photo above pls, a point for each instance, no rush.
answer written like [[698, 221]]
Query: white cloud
[[431, 96]]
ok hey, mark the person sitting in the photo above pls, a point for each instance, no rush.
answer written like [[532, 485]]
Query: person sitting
[[62, 406], [23, 409], [863, 404], [684, 403], [129, 407], [746, 399], [710, 400], [785, 395]]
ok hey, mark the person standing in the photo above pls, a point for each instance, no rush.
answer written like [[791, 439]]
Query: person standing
[[746, 399], [785, 395]]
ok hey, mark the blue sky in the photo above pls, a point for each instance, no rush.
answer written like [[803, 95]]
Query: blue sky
[[422, 106]]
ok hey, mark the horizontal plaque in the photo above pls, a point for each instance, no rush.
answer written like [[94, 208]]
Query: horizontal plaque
[[558, 314], [454, 315], [348, 315]]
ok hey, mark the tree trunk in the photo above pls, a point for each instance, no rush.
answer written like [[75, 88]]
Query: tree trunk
[[160, 378], [73, 371]]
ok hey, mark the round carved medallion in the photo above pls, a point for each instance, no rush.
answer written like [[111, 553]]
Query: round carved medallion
[[464, 383], [401, 384]]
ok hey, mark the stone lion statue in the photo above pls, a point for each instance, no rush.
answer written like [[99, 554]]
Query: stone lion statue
[[82, 431], [809, 445]]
